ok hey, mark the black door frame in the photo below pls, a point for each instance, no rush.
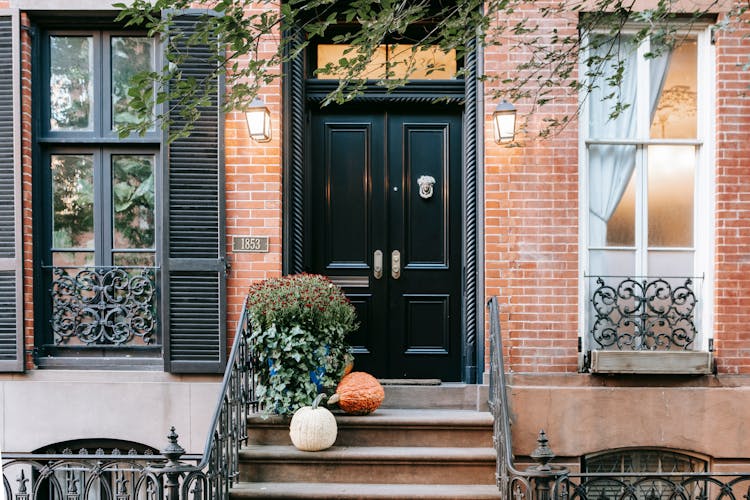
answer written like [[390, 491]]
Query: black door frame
[[299, 93]]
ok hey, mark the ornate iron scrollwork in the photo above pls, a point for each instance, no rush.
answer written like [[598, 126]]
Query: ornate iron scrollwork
[[644, 315], [103, 305]]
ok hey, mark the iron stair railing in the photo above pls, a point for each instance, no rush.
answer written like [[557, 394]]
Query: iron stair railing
[[173, 475], [545, 481]]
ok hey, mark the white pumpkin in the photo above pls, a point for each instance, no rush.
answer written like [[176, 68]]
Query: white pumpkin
[[313, 428]]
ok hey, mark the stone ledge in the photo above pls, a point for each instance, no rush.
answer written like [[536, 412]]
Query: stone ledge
[[652, 362]]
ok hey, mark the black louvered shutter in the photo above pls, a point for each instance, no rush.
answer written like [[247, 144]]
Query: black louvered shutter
[[11, 300], [195, 270]]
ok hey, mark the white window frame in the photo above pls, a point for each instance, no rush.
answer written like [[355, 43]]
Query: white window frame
[[705, 179]]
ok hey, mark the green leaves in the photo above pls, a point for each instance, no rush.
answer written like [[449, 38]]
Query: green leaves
[[547, 41], [299, 326]]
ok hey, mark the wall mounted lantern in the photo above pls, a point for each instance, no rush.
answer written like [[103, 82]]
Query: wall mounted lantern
[[504, 121], [258, 121]]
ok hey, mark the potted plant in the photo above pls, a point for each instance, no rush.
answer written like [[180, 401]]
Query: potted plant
[[298, 334]]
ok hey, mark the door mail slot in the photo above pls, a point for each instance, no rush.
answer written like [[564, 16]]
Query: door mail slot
[[350, 281]]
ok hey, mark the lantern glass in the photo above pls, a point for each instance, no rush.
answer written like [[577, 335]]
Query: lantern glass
[[258, 121], [504, 121]]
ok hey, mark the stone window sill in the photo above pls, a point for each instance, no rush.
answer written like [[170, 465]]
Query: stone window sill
[[652, 362]]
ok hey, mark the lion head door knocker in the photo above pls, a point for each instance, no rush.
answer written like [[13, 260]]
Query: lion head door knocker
[[425, 186]]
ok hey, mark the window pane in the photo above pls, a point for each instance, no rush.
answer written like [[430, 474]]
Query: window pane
[[612, 262], [72, 201], [331, 54], [71, 83], [675, 116], [674, 263], [429, 63], [130, 55], [125, 259], [612, 65], [611, 195], [133, 201], [72, 259], [671, 188]]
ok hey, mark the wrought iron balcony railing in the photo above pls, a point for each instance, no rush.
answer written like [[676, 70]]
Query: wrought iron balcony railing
[[546, 481], [169, 476], [642, 313], [98, 306]]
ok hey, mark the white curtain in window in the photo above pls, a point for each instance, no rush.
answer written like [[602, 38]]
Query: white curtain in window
[[611, 166]]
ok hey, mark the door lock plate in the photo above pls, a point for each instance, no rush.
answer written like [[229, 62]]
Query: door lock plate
[[377, 264], [396, 264]]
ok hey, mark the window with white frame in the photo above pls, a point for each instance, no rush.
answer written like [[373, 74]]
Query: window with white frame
[[646, 183]]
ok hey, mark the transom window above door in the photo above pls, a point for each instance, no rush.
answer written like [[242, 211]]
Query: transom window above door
[[389, 61]]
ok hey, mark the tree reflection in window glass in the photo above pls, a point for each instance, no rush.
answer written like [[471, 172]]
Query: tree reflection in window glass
[[72, 201], [133, 201], [71, 83], [130, 55]]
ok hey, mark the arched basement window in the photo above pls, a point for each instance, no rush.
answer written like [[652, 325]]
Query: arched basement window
[[97, 447], [640, 461]]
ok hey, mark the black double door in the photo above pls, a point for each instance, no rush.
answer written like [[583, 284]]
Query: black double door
[[386, 225]]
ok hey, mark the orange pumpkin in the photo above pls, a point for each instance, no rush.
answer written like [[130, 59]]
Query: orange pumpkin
[[359, 393]]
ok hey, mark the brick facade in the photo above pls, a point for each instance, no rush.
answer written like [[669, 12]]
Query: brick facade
[[531, 214], [732, 216], [531, 232]]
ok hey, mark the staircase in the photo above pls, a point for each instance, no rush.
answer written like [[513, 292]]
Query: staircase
[[425, 442]]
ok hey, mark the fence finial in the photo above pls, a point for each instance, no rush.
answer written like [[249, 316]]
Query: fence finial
[[173, 451], [543, 454]]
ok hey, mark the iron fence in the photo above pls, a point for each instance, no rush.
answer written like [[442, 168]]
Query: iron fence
[[547, 481], [172, 475]]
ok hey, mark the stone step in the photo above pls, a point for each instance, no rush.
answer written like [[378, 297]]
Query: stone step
[[449, 396], [369, 464], [352, 491], [390, 427]]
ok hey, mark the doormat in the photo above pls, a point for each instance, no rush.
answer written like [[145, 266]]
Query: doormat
[[410, 381]]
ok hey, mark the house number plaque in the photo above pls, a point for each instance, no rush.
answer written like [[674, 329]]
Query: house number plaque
[[250, 244]]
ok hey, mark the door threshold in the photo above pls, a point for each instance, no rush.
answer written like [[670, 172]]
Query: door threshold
[[410, 381]]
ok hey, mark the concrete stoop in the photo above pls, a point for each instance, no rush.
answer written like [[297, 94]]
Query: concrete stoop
[[438, 445]]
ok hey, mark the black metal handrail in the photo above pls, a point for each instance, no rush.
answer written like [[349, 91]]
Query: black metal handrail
[[153, 477], [545, 481]]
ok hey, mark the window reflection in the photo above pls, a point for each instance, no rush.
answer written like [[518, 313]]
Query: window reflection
[[133, 201], [130, 55], [72, 201], [71, 83]]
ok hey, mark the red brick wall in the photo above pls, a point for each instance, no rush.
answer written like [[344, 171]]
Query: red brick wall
[[732, 266], [253, 194], [26, 155], [531, 215], [531, 224]]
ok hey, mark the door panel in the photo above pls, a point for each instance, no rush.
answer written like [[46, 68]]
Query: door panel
[[347, 165], [360, 340], [427, 324], [425, 149], [425, 302], [347, 180], [365, 197]]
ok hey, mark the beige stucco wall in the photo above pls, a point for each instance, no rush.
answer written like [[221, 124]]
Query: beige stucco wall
[[583, 413], [49, 406]]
